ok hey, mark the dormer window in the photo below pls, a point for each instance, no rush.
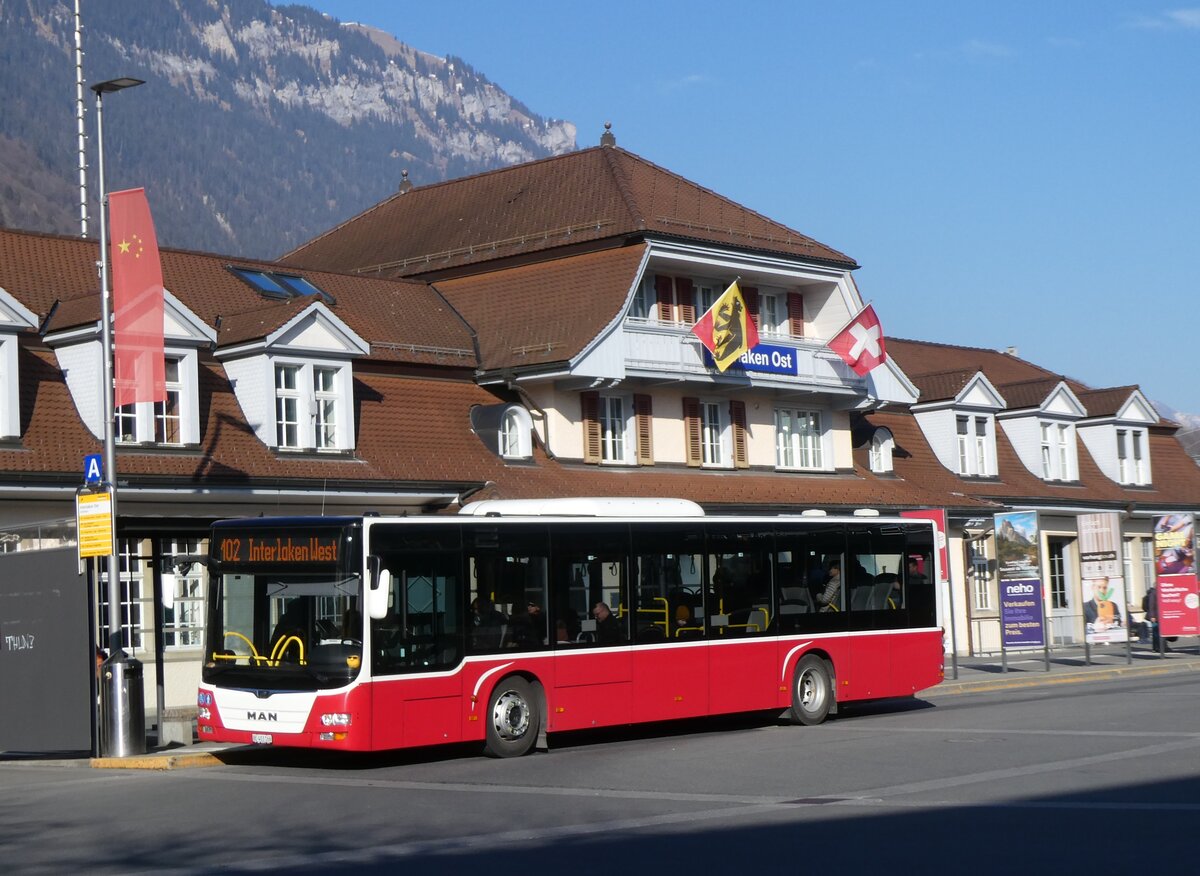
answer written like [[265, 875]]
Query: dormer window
[[974, 441], [173, 422], [14, 318], [311, 402], [879, 456], [1058, 451], [1131, 456], [516, 433]]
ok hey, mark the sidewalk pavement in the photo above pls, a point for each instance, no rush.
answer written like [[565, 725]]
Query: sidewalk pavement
[[980, 674], [1067, 665]]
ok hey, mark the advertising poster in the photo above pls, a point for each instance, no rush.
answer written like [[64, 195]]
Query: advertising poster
[[1022, 614], [1175, 567], [1104, 604]]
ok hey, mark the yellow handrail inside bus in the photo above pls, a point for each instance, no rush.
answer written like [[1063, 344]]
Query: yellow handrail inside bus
[[281, 648], [665, 611], [253, 656]]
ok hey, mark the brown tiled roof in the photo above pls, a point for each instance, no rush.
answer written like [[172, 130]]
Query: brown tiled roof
[[1028, 393], [917, 358], [939, 387], [598, 194], [1105, 402], [1176, 477], [925, 362], [402, 320], [535, 314]]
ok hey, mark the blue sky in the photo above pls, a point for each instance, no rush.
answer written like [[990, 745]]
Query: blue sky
[[1007, 173]]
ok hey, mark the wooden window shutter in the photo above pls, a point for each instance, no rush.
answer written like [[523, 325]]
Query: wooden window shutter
[[691, 427], [737, 417], [664, 290], [796, 314], [643, 415], [590, 403], [686, 299], [750, 296]]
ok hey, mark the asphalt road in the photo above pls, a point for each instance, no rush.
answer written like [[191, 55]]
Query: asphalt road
[[1101, 777]]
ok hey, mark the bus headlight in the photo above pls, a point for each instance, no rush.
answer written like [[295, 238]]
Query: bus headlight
[[336, 719]]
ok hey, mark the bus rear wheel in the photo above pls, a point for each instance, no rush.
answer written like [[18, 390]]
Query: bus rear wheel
[[812, 691], [513, 719]]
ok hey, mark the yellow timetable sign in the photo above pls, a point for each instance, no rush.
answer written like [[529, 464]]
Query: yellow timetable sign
[[93, 513]]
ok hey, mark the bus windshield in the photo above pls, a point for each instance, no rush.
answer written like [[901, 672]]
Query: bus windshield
[[282, 625]]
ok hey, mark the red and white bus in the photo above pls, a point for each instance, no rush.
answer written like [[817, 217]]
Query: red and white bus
[[515, 619]]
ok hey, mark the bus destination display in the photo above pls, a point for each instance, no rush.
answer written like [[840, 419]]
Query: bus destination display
[[276, 548]]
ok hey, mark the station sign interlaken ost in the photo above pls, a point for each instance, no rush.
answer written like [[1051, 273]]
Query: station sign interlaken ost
[[764, 358]]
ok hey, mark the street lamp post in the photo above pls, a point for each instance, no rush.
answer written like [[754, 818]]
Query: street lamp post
[[118, 719]]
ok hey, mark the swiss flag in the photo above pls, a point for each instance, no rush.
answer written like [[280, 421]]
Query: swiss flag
[[860, 343]]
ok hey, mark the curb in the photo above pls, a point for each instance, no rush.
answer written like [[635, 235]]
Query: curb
[[955, 688], [156, 761]]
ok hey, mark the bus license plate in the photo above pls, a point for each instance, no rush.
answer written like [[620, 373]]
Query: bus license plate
[[261, 738]]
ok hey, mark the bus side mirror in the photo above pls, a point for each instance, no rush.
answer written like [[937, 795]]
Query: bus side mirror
[[380, 586]]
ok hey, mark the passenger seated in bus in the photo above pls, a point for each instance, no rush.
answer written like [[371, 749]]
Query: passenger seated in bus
[[608, 628], [527, 629], [487, 624], [829, 596], [560, 632]]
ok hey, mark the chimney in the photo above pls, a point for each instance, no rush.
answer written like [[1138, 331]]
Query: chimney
[[405, 183], [1010, 351], [607, 138]]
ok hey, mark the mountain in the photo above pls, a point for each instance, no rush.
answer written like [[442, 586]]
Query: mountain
[[258, 126], [1189, 428]]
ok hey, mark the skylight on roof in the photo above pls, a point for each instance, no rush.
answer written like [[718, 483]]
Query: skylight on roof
[[284, 287]]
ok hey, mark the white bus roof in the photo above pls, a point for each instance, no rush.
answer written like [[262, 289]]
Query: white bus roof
[[583, 507]]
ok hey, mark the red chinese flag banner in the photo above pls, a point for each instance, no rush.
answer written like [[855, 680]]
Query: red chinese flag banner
[[860, 343], [727, 329], [138, 366]]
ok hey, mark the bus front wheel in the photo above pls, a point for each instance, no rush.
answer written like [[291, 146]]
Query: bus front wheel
[[812, 691], [513, 719]]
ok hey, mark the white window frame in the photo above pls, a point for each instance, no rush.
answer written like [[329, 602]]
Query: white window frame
[[1058, 442], [617, 445], [140, 419], [9, 384], [645, 299], [1132, 452], [773, 316], [516, 433], [800, 439], [183, 630], [705, 293], [133, 631], [976, 437], [979, 571], [309, 403], [715, 434], [880, 452], [325, 407]]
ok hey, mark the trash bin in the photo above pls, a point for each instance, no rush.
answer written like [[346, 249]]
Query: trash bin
[[122, 710]]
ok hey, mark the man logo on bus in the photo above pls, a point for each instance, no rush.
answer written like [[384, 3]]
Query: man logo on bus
[[262, 716]]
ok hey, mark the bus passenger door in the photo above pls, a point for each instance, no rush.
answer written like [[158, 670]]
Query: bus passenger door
[[590, 621], [743, 673], [670, 658], [416, 650]]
